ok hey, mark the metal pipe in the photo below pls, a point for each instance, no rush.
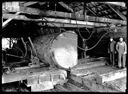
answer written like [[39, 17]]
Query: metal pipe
[[24, 47], [33, 48], [14, 56]]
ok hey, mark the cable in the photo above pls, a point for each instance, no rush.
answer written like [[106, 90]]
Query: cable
[[90, 35], [95, 44], [79, 32], [89, 38], [20, 50], [14, 56], [82, 36], [30, 49], [17, 55], [87, 30]]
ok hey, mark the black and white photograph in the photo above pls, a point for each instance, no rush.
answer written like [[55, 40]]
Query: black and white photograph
[[64, 46]]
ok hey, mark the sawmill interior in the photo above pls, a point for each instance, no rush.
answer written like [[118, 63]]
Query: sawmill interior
[[50, 46]]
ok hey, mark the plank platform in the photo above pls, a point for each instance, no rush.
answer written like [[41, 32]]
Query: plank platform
[[31, 72], [119, 84], [95, 77], [106, 77]]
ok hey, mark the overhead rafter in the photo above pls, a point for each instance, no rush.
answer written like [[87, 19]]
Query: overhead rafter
[[42, 3], [75, 22], [19, 17], [39, 12], [68, 25], [9, 19], [91, 11], [122, 4], [29, 3], [118, 13], [117, 27], [55, 20], [65, 6]]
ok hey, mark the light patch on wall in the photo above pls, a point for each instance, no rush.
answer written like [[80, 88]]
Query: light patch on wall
[[5, 43]]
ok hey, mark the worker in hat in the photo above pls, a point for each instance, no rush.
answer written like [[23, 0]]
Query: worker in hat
[[111, 51], [121, 48]]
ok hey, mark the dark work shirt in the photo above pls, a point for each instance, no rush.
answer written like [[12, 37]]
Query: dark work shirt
[[112, 46]]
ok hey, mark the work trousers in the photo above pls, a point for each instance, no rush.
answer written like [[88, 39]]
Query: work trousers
[[121, 60], [112, 58], [84, 54]]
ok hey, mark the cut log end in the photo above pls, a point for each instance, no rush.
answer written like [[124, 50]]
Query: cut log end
[[66, 58], [62, 51]]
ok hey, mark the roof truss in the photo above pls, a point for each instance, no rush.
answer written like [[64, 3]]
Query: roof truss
[[29, 3], [118, 13], [65, 6]]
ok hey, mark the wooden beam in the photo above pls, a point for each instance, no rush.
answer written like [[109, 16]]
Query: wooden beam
[[91, 11], [84, 10], [29, 3], [65, 6], [118, 13], [106, 28], [19, 17], [67, 25], [42, 3], [38, 12], [9, 19], [74, 22], [49, 20], [110, 76], [122, 4], [92, 85]]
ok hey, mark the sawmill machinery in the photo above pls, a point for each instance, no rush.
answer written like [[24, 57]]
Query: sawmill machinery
[[52, 55], [58, 49], [45, 60]]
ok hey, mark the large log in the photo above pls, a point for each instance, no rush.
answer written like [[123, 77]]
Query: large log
[[57, 49]]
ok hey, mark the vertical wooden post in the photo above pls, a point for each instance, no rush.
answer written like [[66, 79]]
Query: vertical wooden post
[[84, 46], [84, 12], [10, 42]]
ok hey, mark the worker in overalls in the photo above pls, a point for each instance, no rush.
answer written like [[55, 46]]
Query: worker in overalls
[[84, 46], [121, 48], [111, 51]]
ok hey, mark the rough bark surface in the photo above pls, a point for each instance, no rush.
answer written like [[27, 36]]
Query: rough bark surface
[[57, 49]]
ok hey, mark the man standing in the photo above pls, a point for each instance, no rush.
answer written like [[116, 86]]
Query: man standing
[[111, 51], [121, 47], [85, 47]]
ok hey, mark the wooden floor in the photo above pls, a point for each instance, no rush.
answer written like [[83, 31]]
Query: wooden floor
[[83, 79], [88, 71]]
